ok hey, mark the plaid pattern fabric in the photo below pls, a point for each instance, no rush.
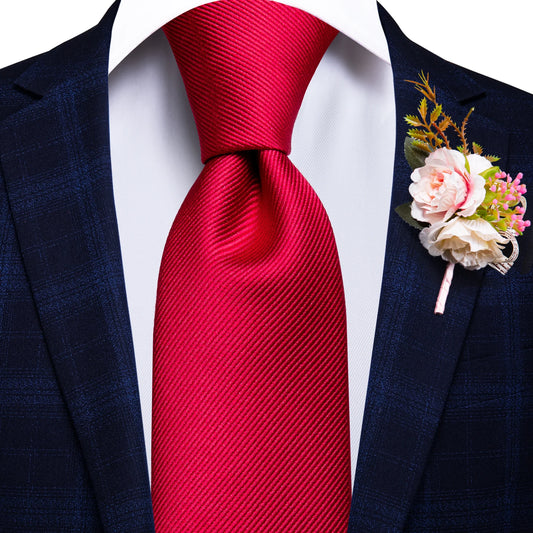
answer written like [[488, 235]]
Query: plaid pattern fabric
[[72, 455], [447, 443]]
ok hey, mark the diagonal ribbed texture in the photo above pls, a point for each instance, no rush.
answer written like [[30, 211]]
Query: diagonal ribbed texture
[[246, 66], [250, 408]]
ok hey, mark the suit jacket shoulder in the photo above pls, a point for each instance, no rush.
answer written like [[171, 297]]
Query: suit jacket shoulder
[[72, 454]]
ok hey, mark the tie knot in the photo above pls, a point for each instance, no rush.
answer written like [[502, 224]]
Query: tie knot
[[246, 67]]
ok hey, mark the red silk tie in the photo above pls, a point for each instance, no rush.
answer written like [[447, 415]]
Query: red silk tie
[[250, 413]]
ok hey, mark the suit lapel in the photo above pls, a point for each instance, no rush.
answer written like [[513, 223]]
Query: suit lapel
[[56, 163], [415, 351]]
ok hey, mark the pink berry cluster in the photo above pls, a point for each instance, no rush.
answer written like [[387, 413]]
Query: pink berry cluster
[[502, 206]]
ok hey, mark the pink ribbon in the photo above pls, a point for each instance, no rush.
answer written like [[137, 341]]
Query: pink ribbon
[[444, 289]]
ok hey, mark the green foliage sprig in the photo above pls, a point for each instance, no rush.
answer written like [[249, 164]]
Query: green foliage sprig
[[429, 127]]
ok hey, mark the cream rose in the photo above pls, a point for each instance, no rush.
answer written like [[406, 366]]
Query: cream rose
[[472, 243], [443, 186]]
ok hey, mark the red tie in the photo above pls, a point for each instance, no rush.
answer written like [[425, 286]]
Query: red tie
[[250, 413]]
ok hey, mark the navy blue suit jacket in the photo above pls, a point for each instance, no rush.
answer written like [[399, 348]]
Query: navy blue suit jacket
[[447, 441]]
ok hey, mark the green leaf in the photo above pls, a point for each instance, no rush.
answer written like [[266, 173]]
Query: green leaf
[[467, 164], [444, 124], [423, 108], [489, 196], [416, 156], [435, 114], [417, 134], [501, 225], [413, 120], [492, 158], [478, 149], [489, 172], [425, 147], [404, 211]]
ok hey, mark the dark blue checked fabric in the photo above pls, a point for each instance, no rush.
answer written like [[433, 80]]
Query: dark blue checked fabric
[[447, 443], [72, 455], [448, 427]]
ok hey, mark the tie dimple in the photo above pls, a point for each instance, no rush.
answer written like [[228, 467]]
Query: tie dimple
[[250, 414]]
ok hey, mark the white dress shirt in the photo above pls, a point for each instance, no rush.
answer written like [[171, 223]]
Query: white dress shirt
[[156, 158]]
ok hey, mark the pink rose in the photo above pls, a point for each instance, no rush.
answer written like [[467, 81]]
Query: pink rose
[[443, 186]]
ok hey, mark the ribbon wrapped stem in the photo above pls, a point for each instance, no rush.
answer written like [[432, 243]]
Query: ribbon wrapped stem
[[444, 289]]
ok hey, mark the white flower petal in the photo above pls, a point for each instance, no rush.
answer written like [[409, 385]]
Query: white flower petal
[[478, 163], [472, 243]]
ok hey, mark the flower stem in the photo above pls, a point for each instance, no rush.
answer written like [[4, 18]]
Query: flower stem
[[444, 289]]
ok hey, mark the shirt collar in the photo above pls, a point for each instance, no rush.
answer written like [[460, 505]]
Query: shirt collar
[[357, 20]]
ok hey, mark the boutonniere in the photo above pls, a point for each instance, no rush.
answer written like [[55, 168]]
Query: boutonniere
[[466, 208]]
